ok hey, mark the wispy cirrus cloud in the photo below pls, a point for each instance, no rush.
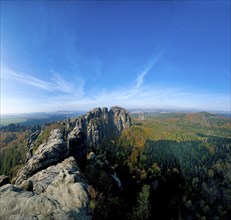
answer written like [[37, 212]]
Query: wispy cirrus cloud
[[57, 83], [26, 79], [140, 78], [137, 88], [76, 88]]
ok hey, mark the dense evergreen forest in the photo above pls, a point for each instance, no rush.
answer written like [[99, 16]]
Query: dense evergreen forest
[[171, 166]]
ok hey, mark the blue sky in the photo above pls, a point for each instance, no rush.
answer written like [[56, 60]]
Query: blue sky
[[77, 55]]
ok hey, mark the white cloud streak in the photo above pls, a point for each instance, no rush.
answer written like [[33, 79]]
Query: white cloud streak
[[137, 88], [58, 84], [140, 78]]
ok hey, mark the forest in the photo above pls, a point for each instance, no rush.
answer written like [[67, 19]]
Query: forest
[[171, 166]]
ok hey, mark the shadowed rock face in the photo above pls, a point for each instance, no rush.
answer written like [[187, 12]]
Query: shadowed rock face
[[4, 180], [76, 143]]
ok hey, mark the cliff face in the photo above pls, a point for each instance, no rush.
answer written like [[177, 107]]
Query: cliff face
[[51, 185], [100, 124], [96, 126]]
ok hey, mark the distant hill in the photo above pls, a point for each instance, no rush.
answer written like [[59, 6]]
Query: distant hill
[[32, 119]]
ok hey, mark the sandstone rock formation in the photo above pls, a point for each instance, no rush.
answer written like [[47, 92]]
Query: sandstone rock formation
[[120, 117], [54, 151], [35, 131], [59, 192], [51, 185], [100, 124], [68, 168]]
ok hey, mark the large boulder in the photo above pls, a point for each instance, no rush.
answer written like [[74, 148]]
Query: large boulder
[[67, 169], [59, 192], [49, 153]]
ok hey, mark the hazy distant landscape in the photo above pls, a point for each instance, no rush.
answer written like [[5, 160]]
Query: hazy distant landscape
[[31, 119]]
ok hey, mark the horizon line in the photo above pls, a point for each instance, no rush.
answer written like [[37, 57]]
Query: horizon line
[[143, 109]]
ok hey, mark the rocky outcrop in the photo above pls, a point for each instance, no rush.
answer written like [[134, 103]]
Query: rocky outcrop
[[120, 117], [33, 136], [35, 131], [51, 185], [42, 179], [101, 124], [59, 192], [94, 127], [49, 153], [91, 129]]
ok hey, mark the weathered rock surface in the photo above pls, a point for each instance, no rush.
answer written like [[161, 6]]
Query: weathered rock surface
[[35, 131], [33, 137], [100, 124], [52, 152], [121, 118], [60, 192], [68, 168], [27, 185]]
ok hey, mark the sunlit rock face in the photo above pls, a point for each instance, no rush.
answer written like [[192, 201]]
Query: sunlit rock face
[[58, 192], [120, 118], [100, 124], [48, 153]]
